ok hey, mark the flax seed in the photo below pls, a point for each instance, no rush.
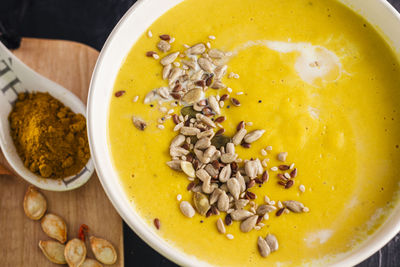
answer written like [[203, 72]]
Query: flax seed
[[283, 167], [190, 186], [263, 152], [120, 93], [293, 173], [228, 219], [245, 145], [235, 102], [165, 37], [302, 188], [157, 223], [220, 119], [289, 184], [279, 212]]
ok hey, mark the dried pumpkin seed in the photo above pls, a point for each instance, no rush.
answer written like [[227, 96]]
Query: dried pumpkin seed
[[35, 204], [91, 263], [220, 141], [189, 111], [75, 252], [201, 203], [103, 250], [55, 227], [53, 250]]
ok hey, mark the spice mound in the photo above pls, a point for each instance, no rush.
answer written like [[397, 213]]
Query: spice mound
[[50, 139]]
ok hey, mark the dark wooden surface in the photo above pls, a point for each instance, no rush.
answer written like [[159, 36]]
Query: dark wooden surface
[[90, 22]]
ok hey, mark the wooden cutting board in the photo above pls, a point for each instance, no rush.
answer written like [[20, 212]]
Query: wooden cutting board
[[70, 64]]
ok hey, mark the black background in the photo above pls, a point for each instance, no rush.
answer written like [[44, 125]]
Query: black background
[[90, 22]]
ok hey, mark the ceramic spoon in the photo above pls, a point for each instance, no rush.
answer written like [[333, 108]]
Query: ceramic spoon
[[16, 77]]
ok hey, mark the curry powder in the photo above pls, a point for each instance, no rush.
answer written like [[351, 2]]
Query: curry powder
[[50, 139]]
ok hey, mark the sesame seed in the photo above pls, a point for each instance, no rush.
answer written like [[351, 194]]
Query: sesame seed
[[149, 34], [168, 117], [179, 197], [155, 56], [239, 93], [160, 120], [263, 152], [264, 163], [286, 211], [186, 46], [208, 45], [230, 236], [287, 175], [291, 166], [177, 64], [236, 76], [272, 202], [305, 209], [266, 199], [274, 169], [170, 111], [135, 99], [163, 109], [249, 123], [211, 37], [302, 188], [221, 104], [181, 118], [279, 204], [229, 89], [268, 148], [191, 179], [160, 126], [218, 97], [173, 104], [231, 75], [266, 216], [257, 227], [172, 40]]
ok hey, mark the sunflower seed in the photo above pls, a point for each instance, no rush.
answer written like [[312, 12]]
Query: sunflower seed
[[221, 226], [253, 136], [263, 247], [212, 101], [217, 84], [294, 206], [241, 203], [225, 173], [190, 63], [189, 131], [196, 49], [203, 143], [193, 96], [187, 209], [163, 46], [103, 250], [215, 195], [53, 250], [169, 58], [251, 168], [178, 140], [75, 252], [234, 187], [35, 204], [228, 158], [263, 209], [175, 165], [238, 137], [241, 181], [206, 120], [174, 76], [205, 65], [240, 215], [54, 227], [223, 202], [248, 224], [272, 242], [215, 53], [139, 123]]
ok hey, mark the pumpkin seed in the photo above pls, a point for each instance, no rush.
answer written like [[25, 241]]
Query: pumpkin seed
[[91, 263], [187, 168], [53, 250], [240, 215], [103, 250], [35, 204], [294, 205], [272, 242], [263, 247], [75, 252], [248, 224], [201, 203], [187, 209], [55, 227], [189, 111], [220, 141], [221, 226]]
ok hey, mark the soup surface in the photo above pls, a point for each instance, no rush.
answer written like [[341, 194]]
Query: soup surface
[[323, 85]]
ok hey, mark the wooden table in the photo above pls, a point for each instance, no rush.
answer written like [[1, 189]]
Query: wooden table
[[70, 64]]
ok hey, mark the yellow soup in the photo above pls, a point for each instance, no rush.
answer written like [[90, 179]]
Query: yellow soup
[[339, 123]]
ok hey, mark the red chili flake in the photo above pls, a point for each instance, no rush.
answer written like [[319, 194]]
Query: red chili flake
[[120, 93], [228, 220], [157, 223], [245, 145], [289, 184], [220, 119], [240, 126], [220, 131], [279, 212], [265, 176], [223, 97], [165, 37], [293, 173], [82, 231], [150, 53], [284, 167]]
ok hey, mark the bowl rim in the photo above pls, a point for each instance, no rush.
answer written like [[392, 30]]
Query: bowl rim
[[143, 230]]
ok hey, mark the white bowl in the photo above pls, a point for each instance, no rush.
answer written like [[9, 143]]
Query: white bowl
[[378, 12]]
